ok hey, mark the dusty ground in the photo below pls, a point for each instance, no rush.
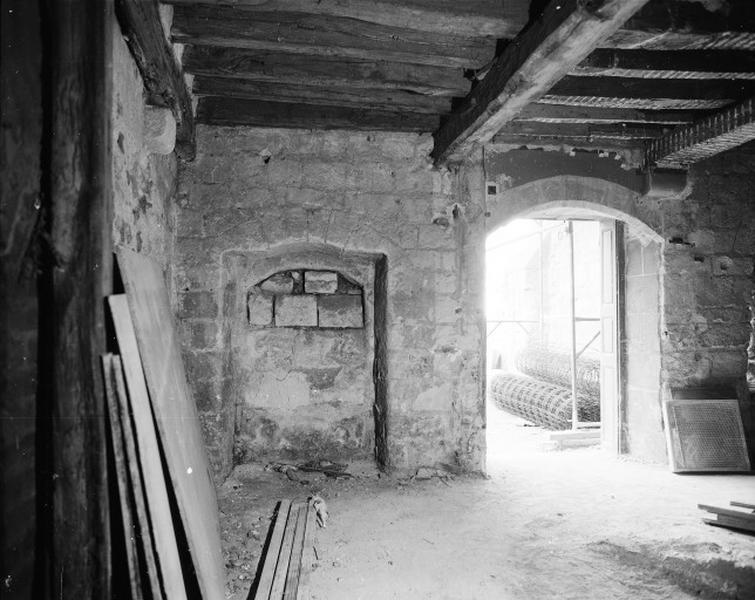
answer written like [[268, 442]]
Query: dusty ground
[[572, 524]]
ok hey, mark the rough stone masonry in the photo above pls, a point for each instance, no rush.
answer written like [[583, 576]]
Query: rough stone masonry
[[333, 202]]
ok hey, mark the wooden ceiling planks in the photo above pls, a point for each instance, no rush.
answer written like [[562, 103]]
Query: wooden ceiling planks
[[291, 69], [397, 65], [339, 59], [471, 18], [230, 111], [317, 35], [386, 100]]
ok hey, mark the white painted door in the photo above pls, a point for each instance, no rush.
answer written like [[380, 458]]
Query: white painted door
[[609, 343]]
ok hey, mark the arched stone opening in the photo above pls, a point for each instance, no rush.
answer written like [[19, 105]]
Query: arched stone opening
[[639, 285]]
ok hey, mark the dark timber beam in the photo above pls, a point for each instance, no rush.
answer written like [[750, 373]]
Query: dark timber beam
[[162, 76], [630, 87], [709, 136], [660, 64], [232, 111], [75, 277], [586, 131], [302, 33], [487, 18], [563, 36], [554, 113], [653, 104], [323, 71], [389, 100]]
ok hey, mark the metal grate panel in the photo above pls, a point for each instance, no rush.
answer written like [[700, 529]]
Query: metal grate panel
[[705, 435]]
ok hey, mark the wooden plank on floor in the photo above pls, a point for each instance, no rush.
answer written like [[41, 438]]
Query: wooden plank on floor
[[294, 567], [146, 537], [727, 512], [308, 554], [284, 558], [731, 523], [122, 478], [176, 417], [273, 552], [156, 492]]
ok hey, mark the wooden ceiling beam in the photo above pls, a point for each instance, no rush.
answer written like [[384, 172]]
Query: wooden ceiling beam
[[654, 104], [582, 142], [302, 33], [554, 113], [563, 36], [471, 18], [589, 131], [660, 64], [681, 25], [712, 135], [233, 111], [389, 100], [629, 87], [323, 71], [162, 76]]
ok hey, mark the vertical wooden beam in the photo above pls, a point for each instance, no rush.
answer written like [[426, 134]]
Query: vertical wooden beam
[[73, 283]]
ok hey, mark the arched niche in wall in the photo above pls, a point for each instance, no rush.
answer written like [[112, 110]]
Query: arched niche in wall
[[640, 425], [305, 325]]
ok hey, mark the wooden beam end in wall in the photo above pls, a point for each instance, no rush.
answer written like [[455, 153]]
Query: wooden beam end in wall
[[566, 32], [162, 76]]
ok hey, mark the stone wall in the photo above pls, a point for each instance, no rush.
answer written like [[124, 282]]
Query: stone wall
[[143, 181], [251, 194], [708, 251]]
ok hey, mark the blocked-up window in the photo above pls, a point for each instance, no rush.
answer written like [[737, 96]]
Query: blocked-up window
[[306, 298]]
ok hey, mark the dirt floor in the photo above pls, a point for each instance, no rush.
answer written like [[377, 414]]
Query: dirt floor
[[573, 524]]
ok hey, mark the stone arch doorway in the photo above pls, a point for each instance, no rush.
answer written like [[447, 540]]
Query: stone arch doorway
[[635, 416]]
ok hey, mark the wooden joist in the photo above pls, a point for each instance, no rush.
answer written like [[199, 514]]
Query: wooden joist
[[317, 35], [654, 104], [711, 135], [677, 25], [162, 76], [324, 71], [558, 41], [386, 100], [629, 87], [233, 111], [488, 18], [731, 519], [554, 113], [589, 131], [660, 64]]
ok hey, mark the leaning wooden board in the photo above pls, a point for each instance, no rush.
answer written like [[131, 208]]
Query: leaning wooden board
[[156, 493], [176, 417]]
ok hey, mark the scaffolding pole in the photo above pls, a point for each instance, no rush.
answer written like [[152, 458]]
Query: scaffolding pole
[[573, 322]]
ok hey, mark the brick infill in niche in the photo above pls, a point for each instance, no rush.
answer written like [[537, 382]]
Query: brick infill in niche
[[306, 298]]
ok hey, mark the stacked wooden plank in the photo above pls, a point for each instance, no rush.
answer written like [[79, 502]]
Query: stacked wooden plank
[[285, 563], [166, 496], [732, 519]]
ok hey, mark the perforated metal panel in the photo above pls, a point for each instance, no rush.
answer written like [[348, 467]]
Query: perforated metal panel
[[705, 435]]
